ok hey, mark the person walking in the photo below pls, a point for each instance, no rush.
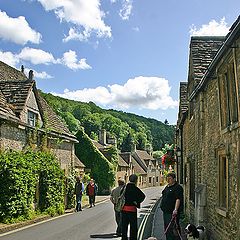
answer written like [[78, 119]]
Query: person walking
[[79, 188], [114, 198], [172, 206], [91, 191], [133, 198]]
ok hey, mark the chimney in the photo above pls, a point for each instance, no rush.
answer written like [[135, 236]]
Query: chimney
[[103, 137], [134, 147], [30, 75], [22, 69]]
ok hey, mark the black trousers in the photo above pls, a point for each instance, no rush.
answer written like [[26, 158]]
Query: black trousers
[[129, 218]]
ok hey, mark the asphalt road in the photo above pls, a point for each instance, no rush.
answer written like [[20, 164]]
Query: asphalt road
[[98, 220]]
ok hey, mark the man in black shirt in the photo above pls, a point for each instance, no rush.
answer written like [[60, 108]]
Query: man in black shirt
[[172, 205]]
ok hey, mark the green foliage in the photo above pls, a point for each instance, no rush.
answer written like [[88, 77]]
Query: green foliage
[[101, 169], [143, 131], [20, 173], [70, 185]]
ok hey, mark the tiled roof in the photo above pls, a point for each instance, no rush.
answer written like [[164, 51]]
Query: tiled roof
[[183, 101], [10, 73], [5, 109], [77, 162], [126, 156], [140, 159], [202, 51], [137, 166], [16, 92], [144, 155], [121, 161], [51, 120]]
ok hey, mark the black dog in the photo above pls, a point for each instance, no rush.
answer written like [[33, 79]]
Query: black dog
[[194, 232]]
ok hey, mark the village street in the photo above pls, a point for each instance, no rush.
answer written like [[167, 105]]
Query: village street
[[79, 226]]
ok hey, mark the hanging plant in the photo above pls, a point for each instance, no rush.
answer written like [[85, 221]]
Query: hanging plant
[[168, 160]]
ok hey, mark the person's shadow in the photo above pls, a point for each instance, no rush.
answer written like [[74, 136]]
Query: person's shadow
[[104, 235]]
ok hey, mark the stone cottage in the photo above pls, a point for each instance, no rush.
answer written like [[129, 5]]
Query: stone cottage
[[208, 133], [27, 120]]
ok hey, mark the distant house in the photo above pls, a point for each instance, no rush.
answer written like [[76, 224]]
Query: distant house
[[138, 162], [27, 120], [208, 131], [153, 175]]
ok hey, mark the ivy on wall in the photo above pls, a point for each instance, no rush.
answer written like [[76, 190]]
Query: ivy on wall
[[101, 169], [22, 175]]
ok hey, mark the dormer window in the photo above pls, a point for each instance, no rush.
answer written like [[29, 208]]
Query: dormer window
[[32, 118]]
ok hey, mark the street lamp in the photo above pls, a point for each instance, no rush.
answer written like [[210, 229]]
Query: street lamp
[[178, 152]]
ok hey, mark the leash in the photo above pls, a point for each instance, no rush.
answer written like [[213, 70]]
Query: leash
[[167, 227], [179, 234], [175, 221]]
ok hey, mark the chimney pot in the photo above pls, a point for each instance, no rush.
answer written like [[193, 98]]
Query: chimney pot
[[30, 75]]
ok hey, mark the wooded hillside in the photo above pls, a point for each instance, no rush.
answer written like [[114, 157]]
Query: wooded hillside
[[127, 128]]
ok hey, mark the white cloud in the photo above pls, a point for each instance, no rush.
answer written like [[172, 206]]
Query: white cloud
[[17, 30], [36, 56], [141, 92], [41, 75], [213, 28], [70, 60], [98, 95], [126, 9], [86, 17], [9, 58]]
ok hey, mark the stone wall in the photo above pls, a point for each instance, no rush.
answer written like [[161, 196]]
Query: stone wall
[[202, 138], [12, 136]]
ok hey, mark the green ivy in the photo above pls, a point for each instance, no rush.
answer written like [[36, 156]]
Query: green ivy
[[102, 170], [20, 174]]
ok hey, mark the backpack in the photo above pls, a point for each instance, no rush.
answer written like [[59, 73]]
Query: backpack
[[121, 200]]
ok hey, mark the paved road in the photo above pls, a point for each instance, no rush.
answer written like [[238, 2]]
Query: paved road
[[79, 226]]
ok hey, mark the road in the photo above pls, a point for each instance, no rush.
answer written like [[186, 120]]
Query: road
[[98, 220]]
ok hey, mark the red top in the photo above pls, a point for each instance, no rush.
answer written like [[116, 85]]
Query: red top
[[129, 208], [91, 190]]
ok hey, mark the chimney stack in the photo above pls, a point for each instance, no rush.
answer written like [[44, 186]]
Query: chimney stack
[[22, 69], [103, 137], [30, 75]]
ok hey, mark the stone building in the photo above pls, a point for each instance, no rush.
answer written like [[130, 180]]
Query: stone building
[[27, 120], [208, 131]]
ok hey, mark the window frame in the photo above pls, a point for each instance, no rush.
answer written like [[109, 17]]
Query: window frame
[[228, 96], [32, 120], [223, 182]]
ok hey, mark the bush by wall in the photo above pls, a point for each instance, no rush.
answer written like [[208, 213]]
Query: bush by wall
[[20, 173]]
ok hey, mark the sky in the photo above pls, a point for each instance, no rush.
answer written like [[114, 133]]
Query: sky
[[128, 55]]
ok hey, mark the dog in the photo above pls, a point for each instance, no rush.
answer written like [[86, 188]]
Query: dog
[[194, 232]]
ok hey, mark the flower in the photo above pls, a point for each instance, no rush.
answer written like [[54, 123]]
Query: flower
[[168, 159]]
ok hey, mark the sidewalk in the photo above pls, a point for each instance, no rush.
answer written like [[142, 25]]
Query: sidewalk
[[9, 227], [158, 225]]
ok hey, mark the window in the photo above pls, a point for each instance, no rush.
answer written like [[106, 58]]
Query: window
[[223, 180], [192, 181], [150, 180], [157, 179], [32, 118], [228, 96]]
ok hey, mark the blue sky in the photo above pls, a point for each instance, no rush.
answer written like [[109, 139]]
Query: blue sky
[[128, 55]]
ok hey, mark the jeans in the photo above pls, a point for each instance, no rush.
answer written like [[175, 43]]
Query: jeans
[[92, 200], [118, 218], [78, 201]]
